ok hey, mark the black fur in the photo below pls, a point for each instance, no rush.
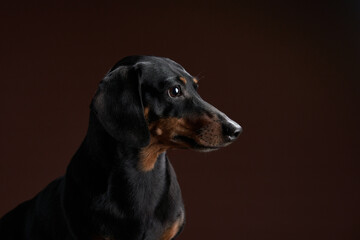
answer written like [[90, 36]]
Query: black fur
[[104, 195]]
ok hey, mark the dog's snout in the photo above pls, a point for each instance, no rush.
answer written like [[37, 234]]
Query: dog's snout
[[231, 130]]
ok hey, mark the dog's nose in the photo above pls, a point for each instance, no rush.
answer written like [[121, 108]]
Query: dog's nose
[[231, 130]]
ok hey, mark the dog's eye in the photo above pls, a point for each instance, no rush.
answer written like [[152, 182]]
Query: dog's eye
[[175, 91]]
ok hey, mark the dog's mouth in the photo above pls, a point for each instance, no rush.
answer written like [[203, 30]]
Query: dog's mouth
[[191, 143]]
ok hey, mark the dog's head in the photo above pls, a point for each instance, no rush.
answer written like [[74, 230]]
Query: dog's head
[[152, 103]]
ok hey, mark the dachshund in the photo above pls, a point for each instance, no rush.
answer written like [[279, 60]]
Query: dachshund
[[120, 183]]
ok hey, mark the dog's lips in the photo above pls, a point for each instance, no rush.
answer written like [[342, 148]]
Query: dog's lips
[[194, 145]]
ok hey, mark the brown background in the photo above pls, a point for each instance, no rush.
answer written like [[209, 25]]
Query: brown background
[[288, 73]]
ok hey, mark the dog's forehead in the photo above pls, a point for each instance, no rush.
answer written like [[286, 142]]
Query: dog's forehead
[[162, 68]]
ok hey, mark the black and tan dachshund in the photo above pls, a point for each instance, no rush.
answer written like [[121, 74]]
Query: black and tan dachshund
[[120, 184]]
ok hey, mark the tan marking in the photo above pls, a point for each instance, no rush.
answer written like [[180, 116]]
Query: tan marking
[[204, 130], [146, 112], [158, 131], [149, 155], [195, 81], [171, 231], [101, 238], [161, 139], [211, 133], [183, 80]]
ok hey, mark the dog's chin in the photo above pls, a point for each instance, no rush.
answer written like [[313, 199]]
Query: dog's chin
[[194, 145]]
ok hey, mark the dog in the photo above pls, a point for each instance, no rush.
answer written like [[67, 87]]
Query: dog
[[120, 183]]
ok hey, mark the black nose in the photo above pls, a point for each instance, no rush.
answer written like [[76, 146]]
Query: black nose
[[231, 130]]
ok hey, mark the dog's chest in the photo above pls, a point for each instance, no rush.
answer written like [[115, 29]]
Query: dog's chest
[[152, 231], [151, 211], [174, 228]]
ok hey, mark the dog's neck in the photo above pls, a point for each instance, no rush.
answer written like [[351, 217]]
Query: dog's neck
[[101, 159], [104, 175]]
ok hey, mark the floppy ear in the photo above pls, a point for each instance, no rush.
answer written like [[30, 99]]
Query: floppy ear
[[118, 106]]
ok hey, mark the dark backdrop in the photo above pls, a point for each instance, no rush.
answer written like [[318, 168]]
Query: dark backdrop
[[288, 73]]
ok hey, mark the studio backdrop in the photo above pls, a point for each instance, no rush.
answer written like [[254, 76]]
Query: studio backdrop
[[287, 72]]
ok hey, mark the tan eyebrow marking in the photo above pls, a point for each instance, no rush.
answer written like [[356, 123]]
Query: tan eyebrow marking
[[195, 81], [183, 80]]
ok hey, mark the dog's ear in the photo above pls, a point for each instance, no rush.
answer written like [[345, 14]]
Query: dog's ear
[[119, 108]]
